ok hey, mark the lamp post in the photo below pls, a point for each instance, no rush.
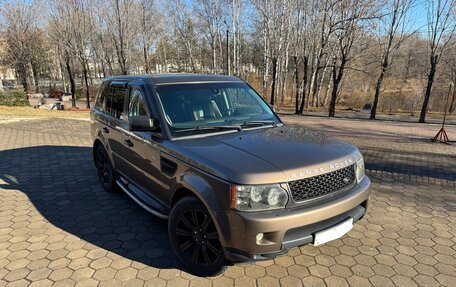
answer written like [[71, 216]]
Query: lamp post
[[228, 64]]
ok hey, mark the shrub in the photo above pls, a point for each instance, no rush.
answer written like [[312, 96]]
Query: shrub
[[14, 98]]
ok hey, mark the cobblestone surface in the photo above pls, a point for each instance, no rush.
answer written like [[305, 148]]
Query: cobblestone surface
[[59, 228]]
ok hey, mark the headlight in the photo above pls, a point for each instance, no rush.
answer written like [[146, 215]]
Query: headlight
[[359, 170], [258, 197]]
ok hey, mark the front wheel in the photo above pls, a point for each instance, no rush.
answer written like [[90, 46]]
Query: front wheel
[[194, 238]]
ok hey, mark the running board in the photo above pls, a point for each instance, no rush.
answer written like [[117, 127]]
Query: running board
[[139, 201]]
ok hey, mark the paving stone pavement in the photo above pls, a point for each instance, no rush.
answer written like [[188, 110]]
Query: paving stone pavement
[[59, 228]]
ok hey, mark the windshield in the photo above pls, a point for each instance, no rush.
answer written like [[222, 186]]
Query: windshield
[[212, 107]]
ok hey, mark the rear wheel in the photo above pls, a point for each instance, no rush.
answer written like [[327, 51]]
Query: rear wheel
[[104, 168], [194, 238]]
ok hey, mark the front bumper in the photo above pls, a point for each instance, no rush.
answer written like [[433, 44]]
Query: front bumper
[[287, 228]]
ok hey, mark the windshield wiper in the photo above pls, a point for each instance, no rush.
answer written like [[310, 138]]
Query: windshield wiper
[[248, 123], [207, 128]]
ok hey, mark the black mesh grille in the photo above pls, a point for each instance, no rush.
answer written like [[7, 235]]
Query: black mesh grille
[[321, 185]]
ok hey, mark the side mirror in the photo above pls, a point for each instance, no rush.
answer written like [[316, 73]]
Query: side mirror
[[142, 124]]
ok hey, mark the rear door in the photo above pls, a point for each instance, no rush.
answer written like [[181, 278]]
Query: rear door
[[98, 127], [114, 119], [143, 162]]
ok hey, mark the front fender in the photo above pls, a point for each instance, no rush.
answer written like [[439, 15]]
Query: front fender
[[213, 193]]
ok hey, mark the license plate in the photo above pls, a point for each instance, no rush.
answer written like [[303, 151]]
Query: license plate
[[333, 233]]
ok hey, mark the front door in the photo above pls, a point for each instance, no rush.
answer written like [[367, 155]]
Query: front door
[[144, 157]]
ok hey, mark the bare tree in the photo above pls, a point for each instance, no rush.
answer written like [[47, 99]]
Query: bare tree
[[236, 14], [274, 19], [211, 12], [301, 53], [302, 49], [449, 73], [395, 24], [70, 28], [149, 23], [22, 37], [441, 29], [184, 29], [350, 14], [326, 25]]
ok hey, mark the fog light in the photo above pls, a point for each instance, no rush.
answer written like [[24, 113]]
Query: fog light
[[259, 237]]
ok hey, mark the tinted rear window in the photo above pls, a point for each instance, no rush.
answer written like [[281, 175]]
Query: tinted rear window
[[113, 98], [104, 92]]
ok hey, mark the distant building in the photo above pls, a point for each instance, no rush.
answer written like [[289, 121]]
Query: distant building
[[7, 74]]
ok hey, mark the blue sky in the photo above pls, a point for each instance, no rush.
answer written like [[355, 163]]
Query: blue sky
[[417, 18]]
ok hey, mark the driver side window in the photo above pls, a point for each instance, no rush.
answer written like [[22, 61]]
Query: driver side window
[[137, 105]]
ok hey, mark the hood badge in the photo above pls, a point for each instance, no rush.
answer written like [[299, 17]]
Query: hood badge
[[322, 170]]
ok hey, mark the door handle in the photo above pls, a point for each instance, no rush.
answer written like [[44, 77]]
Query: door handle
[[128, 142], [105, 130]]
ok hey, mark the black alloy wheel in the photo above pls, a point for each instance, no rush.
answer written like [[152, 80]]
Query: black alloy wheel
[[195, 239], [104, 168]]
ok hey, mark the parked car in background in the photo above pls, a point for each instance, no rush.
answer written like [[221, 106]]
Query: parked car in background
[[207, 153]]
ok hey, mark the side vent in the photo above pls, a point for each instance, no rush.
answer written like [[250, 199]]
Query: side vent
[[167, 167]]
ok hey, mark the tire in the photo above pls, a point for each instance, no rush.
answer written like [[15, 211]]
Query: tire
[[105, 170], [194, 238]]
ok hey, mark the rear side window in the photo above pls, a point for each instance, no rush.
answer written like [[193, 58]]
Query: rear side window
[[114, 102], [104, 93], [137, 105]]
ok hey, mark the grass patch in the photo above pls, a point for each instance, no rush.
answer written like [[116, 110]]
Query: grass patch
[[14, 98]]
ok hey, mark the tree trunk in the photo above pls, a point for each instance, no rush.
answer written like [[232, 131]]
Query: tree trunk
[[35, 76], [23, 75], [320, 85], [25, 81], [214, 55], [453, 101], [328, 87], [315, 73], [146, 60], [377, 91], [86, 82], [337, 78], [121, 49], [332, 104], [71, 78], [427, 95], [296, 85], [304, 85], [273, 83], [61, 73], [265, 66], [315, 89]]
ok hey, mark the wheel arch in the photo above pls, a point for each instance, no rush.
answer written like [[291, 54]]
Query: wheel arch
[[180, 193], [194, 185], [101, 141], [96, 143]]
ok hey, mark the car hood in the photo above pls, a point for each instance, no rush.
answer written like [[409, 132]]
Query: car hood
[[267, 155]]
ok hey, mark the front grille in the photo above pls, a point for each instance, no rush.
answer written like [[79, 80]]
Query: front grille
[[321, 185]]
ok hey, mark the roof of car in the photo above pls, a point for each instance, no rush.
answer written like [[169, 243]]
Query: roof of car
[[163, 79]]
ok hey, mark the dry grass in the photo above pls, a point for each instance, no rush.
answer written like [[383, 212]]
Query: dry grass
[[7, 113]]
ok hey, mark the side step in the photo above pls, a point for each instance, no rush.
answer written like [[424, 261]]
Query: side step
[[142, 199]]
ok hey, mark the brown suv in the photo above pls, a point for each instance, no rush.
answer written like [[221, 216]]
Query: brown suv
[[207, 153]]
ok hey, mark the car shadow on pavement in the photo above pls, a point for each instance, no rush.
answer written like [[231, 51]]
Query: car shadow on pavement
[[62, 184]]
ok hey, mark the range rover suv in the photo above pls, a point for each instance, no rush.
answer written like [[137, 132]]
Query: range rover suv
[[207, 153]]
